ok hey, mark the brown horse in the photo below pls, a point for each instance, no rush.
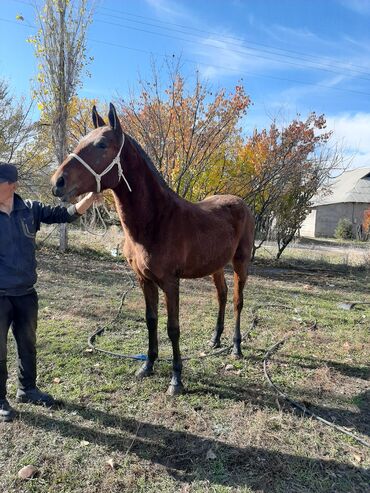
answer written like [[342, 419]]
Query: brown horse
[[166, 237]]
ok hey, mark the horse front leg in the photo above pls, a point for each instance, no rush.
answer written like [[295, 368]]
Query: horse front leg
[[150, 290], [171, 290]]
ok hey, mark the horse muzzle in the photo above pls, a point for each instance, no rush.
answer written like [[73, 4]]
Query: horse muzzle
[[59, 189]]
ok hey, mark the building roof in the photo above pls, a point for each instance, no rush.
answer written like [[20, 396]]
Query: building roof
[[351, 186]]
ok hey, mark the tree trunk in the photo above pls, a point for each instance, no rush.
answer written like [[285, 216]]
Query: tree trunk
[[61, 116], [282, 244], [63, 236]]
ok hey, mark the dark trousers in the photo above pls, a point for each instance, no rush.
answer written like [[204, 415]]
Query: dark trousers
[[20, 313]]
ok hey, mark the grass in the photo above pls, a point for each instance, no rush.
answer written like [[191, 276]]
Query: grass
[[229, 432]]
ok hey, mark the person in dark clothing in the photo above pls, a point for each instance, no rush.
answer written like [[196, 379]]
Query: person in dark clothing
[[19, 222]]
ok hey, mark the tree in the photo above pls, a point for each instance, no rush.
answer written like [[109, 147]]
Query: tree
[[278, 172], [18, 140], [60, 46], [185, 130], [312, 166], [259, 179], [79, 121]]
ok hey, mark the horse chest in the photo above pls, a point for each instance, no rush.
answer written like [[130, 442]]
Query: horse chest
[[143, 264]]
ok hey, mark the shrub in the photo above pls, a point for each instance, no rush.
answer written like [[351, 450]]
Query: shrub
[[343, 231]]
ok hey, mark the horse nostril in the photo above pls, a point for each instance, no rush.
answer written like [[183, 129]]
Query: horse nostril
[[60, 182]]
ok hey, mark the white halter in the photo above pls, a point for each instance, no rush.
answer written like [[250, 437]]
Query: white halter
[[116, 160]]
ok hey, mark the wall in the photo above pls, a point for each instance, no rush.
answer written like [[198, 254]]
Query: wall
[[328, 216], [309, 225]]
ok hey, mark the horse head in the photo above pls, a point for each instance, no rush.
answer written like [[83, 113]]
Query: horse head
[[95, 164]]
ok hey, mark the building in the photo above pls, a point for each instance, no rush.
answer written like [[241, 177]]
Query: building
[[349, 198]]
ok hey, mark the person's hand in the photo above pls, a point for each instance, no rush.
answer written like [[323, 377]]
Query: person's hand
[[87, 201], [95, 197]]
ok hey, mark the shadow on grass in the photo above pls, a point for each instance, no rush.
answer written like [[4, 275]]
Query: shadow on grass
[[333, 244], [309, 271], [360, 421], [313, 273], [87, 269], [362, 372], [183, 455], [262, 396]]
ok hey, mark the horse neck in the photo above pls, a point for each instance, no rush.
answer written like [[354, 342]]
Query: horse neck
[[144, 205]]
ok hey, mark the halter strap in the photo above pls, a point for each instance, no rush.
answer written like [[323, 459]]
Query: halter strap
[[116, 160]]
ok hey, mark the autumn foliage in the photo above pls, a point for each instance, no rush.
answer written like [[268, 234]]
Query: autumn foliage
[[278, 171], [186, 132], [366, 222]]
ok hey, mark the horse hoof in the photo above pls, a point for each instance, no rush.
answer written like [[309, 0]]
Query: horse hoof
[[237, 355], [174, 390], [143, 373], [215, 344]]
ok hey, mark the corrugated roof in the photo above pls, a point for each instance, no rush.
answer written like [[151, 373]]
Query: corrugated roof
[[351, 186]]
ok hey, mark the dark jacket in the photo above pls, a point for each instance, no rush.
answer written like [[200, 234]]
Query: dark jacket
[[17, 242]]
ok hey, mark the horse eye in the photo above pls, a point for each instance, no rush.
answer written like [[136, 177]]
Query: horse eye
[[102, 145]]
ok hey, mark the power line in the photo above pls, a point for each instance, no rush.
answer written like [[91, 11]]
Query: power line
[[272, 50], [249, 74], [19, 23], [275, 51], [228, 36], [245, 52]]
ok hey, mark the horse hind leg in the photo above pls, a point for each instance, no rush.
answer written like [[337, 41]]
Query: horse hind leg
[[221, 286], [240, 264]]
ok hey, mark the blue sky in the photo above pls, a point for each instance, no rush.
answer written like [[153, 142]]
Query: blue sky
[[293, 56]]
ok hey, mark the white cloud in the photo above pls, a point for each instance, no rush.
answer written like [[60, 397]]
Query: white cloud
[[342, 53], [219, 57], [294, 96], [360, 160], [167, 7], [352, 131], [359, 6], [283, 32], [226, 55]]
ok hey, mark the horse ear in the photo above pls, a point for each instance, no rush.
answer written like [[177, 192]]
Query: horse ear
[[113, 118], [97, 119]]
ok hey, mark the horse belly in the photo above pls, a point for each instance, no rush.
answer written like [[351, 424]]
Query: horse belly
[[205, 264]]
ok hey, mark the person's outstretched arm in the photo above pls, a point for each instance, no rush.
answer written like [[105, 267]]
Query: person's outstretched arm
[[59, 214]]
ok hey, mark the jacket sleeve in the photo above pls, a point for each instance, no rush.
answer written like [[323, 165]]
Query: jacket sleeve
[[48, 214]]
